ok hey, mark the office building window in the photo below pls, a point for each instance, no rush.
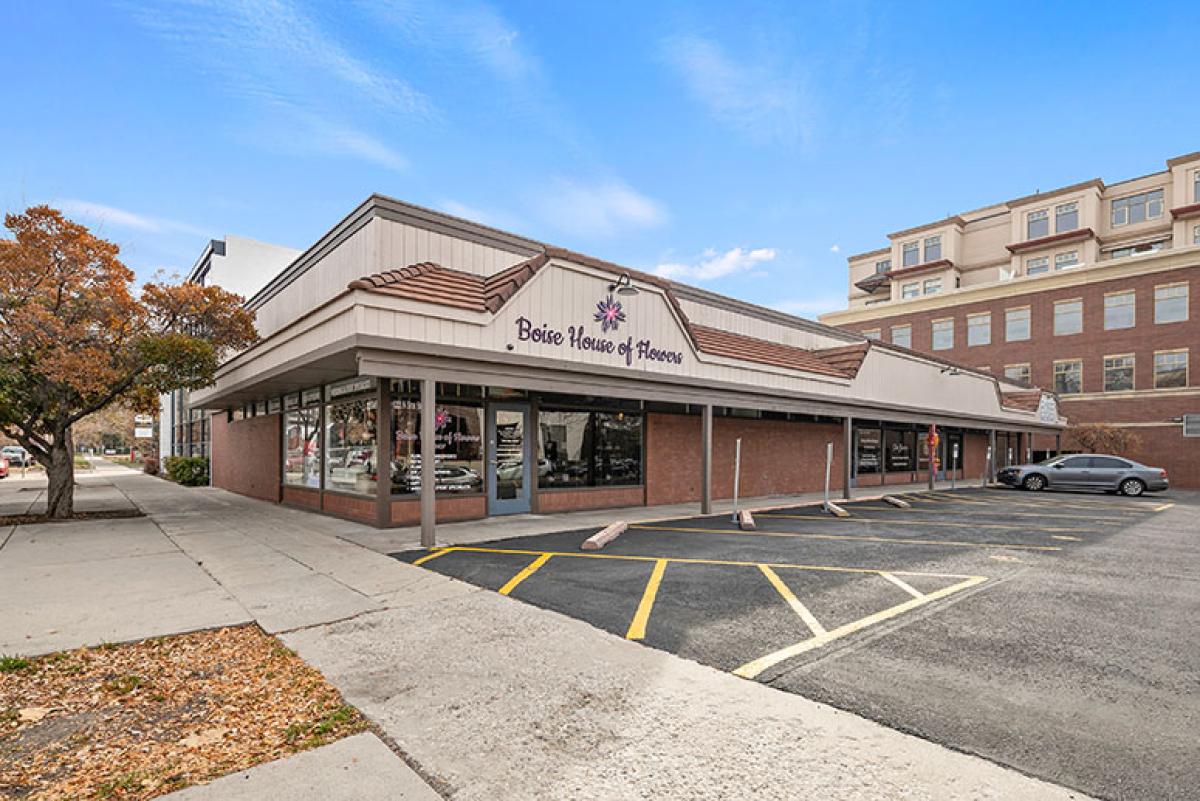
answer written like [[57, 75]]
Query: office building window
[[1016, 324], [1064, 260], [883, 266], [943, 334], [1137, 208], [902, 335], [933, 248], [1068, 317], [910, 290], [1037, 224], [1170, 303], [1066, 217], [1068, 377], [1196, 235], [1037, 265], [979, 329], [933, 286], [910, 254], [1137, 250], [1119, 310], [1196, 187], [1118, 373], [872, 333], [1017, 372], [1170, 368]]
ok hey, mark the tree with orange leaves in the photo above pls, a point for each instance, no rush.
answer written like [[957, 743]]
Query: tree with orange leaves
[[74, 338]]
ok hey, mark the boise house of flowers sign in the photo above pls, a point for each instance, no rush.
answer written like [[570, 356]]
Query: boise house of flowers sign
[[609, 315]]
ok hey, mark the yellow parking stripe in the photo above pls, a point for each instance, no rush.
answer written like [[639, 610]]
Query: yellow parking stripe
[[434, 555], [1163, 507], [901, 522], [800, 609], [688, 561], [913, 591], [524, 574], [637, 627], [852, 538], [753, 669]]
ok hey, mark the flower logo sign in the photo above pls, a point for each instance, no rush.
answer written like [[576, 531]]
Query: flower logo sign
[[609, 314]]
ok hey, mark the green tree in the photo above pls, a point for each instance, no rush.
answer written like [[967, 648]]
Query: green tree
[[75, 338]]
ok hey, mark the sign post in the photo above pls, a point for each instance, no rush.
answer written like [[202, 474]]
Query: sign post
[[954, 466], [828, 466], [737, 474]]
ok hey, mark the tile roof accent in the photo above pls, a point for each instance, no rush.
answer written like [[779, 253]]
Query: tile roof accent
[[750, 349], [498, 288], [429, 283], [846, 358], [1041, 242], [1026, 401], [873, 282]]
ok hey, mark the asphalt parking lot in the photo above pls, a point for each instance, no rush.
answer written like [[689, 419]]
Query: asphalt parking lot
[[1053, 633]]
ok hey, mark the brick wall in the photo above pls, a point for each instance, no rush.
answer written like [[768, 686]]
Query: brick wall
[[566, 500], [247, 455], [467, 507], [302, 496], [355, 507], [778, 457]]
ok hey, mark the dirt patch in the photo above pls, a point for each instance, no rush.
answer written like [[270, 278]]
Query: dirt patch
[[139, 720], [111, 514]]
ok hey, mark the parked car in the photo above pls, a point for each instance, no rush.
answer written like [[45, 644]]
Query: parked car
[[17, 456], [1087, 471]]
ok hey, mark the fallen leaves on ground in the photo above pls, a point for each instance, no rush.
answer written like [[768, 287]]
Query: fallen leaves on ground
[[139, 720]]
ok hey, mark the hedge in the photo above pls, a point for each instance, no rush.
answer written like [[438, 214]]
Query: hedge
[[190, 471]]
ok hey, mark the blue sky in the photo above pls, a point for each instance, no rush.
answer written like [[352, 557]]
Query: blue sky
[[747, 149]]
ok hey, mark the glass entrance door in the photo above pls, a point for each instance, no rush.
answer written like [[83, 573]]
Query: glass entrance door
[[510, 480]]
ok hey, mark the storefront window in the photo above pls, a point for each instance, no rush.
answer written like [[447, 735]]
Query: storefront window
[[302, 448], [866, 452], [898, 451], [458, 448], [351, 459], [589, 449]]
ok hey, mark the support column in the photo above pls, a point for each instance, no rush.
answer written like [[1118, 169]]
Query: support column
[[706, 441], [428, 462], [1058, 444], [847, 455], [991, 465], [384, 440], [932, 459]]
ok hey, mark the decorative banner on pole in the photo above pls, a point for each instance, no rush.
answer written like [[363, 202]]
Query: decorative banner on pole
[[932, 440]]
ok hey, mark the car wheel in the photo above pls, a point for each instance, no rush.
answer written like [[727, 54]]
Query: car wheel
[[1034, 483], [1133, 487]]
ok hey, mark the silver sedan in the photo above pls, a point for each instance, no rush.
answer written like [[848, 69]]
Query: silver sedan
[[1095, 471]]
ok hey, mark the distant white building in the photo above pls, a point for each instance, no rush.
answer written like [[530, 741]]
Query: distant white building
[[239, 265]]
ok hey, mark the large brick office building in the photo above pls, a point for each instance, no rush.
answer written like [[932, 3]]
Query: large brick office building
[[1089, 289]]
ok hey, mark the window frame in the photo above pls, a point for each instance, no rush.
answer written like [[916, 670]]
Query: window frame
[[1132, 368], [933, 332], [1065, 302], [1132, 293], [931, 286], [1037, 216], [1041, 264], [1073, 205], [1186, 366], [1028, 379], [987, 328], [1187, 301], [1028, 323], [904, 326], [1057, 363], [934, 241], [913, 247], [1060, 264], [916, 290], [1124, 203], [882, 266], [873, 333]]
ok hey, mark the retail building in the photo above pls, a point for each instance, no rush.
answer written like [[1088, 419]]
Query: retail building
[[546, 380]]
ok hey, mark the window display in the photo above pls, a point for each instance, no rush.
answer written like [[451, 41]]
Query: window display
[[351, 458], [458, 448], [898, 451], [302, 448], [866, 454], [588, 449]]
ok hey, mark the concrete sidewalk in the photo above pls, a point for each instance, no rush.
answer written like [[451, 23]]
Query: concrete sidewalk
[[497, 699]]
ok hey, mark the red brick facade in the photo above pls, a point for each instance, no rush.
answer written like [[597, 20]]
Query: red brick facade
[[1150, 412], [247, 455]]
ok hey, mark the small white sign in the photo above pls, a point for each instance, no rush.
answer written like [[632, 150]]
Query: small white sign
[[140, 432]]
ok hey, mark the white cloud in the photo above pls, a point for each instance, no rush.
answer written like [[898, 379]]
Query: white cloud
[[122, 218], [835, 249], [601, 210], [762, 101], [714, 265], [811, 307]]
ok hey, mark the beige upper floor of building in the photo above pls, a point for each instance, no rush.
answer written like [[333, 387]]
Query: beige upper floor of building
[[1070, 228]]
